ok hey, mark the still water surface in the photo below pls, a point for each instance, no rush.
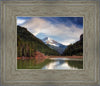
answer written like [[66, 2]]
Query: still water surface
[[64, 63]]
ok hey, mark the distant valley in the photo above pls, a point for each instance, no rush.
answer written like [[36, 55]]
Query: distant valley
[[54, 45]]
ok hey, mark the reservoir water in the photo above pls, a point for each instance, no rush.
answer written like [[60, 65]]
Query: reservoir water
[[64, 63]]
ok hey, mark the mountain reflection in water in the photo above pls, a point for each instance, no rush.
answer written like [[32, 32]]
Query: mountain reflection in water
[[64, 63]]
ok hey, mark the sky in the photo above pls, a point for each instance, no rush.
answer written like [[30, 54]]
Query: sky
[[65, 30]]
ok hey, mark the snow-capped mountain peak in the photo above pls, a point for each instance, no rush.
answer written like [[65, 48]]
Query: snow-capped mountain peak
[[54, 44], [50, 41]]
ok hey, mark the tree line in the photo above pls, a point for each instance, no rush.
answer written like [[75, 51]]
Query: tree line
[[28, 44], [74, 49]]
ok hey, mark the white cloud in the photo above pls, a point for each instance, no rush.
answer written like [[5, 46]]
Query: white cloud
[[65, 34], [20, 21], [68, 41]]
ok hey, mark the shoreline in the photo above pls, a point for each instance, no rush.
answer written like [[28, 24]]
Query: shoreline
[[73, 57]]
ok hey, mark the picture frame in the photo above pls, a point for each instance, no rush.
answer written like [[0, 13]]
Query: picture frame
[[87, 9]]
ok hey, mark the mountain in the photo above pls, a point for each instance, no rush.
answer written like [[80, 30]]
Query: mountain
[[28, 44], [54, 44], [75, 49], [50, 41]]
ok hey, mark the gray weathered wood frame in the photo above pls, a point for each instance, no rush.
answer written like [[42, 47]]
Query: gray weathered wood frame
[[87, 9]]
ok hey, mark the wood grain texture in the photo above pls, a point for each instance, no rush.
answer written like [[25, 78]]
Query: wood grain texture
[[88, 10]]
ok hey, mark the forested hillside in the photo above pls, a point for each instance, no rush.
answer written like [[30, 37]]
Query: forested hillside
[[28, 44], [75, 49]]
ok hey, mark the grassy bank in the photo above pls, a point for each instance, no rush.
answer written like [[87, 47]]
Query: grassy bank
[[76, 64], [31, 64]]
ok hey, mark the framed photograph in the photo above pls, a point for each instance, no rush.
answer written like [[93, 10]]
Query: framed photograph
[[50, 43]]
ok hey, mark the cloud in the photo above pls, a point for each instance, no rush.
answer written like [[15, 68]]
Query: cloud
[[20, 21], [60, 32], [68, 41]]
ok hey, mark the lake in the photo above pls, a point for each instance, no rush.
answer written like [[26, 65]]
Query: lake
[[64, 63], [51, 63]]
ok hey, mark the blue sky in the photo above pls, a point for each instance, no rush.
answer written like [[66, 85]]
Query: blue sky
[[65, 30]]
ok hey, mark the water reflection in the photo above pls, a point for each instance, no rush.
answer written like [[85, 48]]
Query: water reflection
[[63, 63]]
